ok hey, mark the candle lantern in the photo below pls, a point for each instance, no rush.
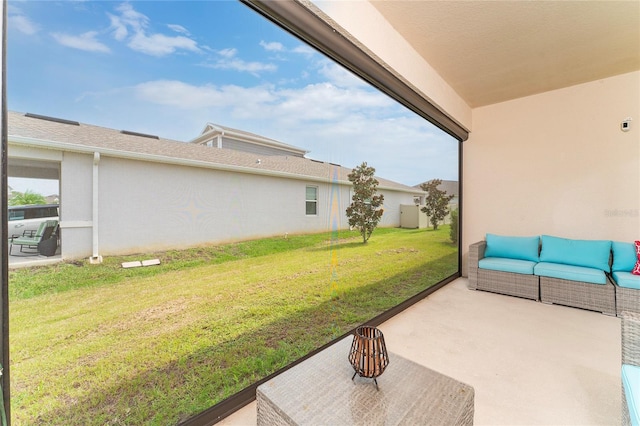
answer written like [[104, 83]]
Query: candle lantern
[[368, 354]]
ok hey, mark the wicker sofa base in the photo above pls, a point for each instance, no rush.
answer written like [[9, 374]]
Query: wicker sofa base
[[594, 297], [509, 283], [627, 299]]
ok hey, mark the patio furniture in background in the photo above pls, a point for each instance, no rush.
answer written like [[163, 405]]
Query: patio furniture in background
[[630, 368], [45, 231], [567, 272], [627, 285], [507, 268]]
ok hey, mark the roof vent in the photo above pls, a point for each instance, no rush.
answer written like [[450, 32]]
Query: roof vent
[[334, 164], [54, 119], [142, 135], [317, 161]]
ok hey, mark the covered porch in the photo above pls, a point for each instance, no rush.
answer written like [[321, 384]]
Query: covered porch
[[529, 363]]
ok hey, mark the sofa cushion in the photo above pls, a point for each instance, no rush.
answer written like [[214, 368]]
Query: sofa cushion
[[570, 272], [587, 253], [503, 264], [626, 279], [631, 383], [523, 248], [624, 256]]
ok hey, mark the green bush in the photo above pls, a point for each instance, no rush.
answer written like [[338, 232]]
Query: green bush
[[453, 231]]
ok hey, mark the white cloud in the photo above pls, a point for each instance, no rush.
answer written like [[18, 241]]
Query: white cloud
[[119, 29], [155, 44], [228, 53], [178, 28], [161, 45], [273, 46], [22, 24], [86, 42], [130, 17], [187, 96], [228, 61], [243, 66], [304, 50], [338, 75]]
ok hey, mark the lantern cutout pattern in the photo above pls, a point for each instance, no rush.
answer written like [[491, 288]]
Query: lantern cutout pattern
[[368, 354]]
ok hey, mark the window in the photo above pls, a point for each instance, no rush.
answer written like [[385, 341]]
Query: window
[[312, 201]]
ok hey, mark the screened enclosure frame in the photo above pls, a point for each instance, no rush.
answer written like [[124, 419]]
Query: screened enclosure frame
[[303, 20]]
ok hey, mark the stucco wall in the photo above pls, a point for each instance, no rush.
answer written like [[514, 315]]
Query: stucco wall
[[76, 214], [556, 163], [147, 206]]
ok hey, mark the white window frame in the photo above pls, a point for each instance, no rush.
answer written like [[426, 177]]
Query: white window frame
[[307, 200]]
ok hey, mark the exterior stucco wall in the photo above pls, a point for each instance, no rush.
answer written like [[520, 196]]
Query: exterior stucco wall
[[147, 206], [556, 163], [76, 214]]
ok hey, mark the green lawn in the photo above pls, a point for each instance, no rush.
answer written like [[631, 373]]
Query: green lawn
[[98, 344]]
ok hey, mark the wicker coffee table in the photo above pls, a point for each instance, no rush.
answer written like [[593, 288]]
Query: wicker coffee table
[[320, 391]]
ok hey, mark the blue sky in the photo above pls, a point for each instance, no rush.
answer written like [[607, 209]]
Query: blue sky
[[167, 68]]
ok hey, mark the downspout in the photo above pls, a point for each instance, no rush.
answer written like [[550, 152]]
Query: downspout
[[95, 258]]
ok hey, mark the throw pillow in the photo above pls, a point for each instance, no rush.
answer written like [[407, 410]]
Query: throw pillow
[[636, 269]]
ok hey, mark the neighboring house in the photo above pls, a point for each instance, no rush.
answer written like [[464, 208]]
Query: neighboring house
[[451, 187], [216, 136], [125, 192]]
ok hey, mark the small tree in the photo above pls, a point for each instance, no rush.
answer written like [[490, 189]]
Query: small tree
[[365, 210], [26, 198], [436, 202], [453, 232]]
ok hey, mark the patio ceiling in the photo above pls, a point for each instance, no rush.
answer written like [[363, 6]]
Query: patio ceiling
[[491, 52]]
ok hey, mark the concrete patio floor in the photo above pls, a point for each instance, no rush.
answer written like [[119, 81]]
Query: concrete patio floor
[[529, 363]]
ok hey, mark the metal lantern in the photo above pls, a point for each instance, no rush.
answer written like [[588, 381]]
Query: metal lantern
[[368, 354]]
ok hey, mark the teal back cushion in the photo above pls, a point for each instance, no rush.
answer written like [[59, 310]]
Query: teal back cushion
[[523, 248], [624, 256], [587, 253]]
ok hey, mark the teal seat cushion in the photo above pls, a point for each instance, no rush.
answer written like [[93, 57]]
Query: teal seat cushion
[[507, 265], [523, 248], [631, 383], [570, 272], [587, 253], [627, 279], [624, 256]]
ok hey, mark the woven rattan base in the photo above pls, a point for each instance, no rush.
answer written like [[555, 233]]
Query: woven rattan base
[[594, 297], [627, 300], [319, 391], [520, 285]]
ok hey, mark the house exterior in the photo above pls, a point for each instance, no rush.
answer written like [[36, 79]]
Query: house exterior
[[124, 192], [215, 135]]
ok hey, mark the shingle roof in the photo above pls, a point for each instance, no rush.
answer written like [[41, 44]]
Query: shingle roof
[[212, 129], [42, 133]]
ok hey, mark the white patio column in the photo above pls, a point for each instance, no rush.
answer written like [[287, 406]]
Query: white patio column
[[95, 258]]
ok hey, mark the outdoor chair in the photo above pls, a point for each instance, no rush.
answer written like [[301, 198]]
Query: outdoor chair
[[630, 368], [46, 230]]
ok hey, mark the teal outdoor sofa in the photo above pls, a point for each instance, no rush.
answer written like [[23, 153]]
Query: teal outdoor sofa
[[627, 284], [554, 270]]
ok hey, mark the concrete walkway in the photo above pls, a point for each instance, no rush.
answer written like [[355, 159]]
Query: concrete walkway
[[530, 363]]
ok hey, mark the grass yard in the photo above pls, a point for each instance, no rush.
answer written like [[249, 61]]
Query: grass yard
[[102, 345]]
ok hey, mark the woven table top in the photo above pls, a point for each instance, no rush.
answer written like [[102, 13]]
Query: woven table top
[[320, 391]]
